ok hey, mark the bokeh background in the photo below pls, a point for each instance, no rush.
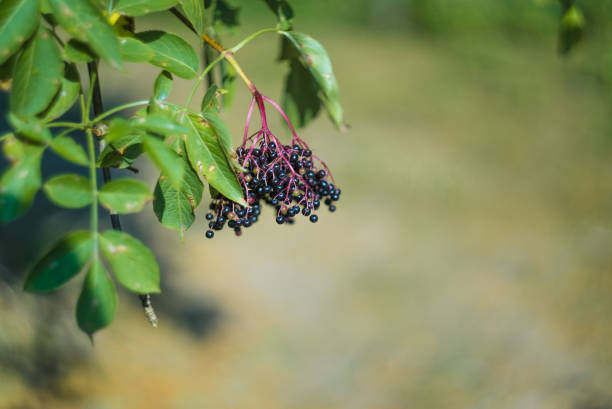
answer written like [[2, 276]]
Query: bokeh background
[[468, 265]]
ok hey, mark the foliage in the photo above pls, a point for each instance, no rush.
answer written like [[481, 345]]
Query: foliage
[[70, 38]]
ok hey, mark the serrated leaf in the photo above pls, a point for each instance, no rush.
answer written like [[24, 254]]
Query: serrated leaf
[[68, 149], [208, 159], [132, 262], [82, 20], [194, 11], [162, 86], [19, 183], [167, 161], [142, 7], [314, 58], [300, 96], [174, 207], [134, 50], [66, 259], [124, 195], [38, 74], [78, 51], [18, 21], [30, 127], [69, 190], [221, 130], [171, 53], [68, 93], [97, 303]]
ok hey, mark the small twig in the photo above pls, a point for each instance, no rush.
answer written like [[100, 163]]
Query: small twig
[[98, 109]]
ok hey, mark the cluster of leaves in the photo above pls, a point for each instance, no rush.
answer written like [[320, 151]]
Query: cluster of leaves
[[46, 46]]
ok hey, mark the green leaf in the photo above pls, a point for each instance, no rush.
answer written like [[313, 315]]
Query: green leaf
[[210, 101], [19, 184], [133, 263], [7, 70], [228, 83], [66, 259], [572, 28], [175, 207], [119, 128], [68, 149], [82, 20], [78, 51], [283, 12], [194, 11], [18, 20], [142, 7], [221, 131], [134, 50], [38, 74], [162, 86], [159, 124], [168, 162], [121, 152], [68, 93], [125, 195], [171, 53], [314, 58], [300, 97], [30, 127], [97, 303], [69, 190], [207, 157]]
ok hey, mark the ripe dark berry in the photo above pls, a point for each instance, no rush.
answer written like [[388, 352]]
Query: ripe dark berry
[[314, 218], [332, 208], [209, 216], [280, 219], [210, 234]]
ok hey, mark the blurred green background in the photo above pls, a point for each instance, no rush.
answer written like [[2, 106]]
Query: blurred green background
[[468, 264]]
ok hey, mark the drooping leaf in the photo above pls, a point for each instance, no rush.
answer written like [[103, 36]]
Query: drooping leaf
[[78, 51], [97, 303], [228, 83], [300, 97], [572, 27], [30, 127], [210, 101], [19, 183], [38, 74], [82, 20], [118, 128], [168, 162], [134, 50], [207, 157], [162, 86], [137, 8], [69, 190], [132, 262], [283, 11], [171, 53], [67, 95], [175, 207], [221, 130], [66, 259], [314, 58], [68, 149], [18, 20], [194, 11], [125, 195]]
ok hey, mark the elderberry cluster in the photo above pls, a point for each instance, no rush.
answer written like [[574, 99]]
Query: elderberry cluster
[[288, 178]]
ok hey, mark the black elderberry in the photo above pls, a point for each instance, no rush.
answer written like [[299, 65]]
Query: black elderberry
[[280, 219], [314, 218], [209, 216], [332, 208], [210, 234]]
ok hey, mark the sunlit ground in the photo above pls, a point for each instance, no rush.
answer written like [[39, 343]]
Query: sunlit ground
[[467, 266]]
